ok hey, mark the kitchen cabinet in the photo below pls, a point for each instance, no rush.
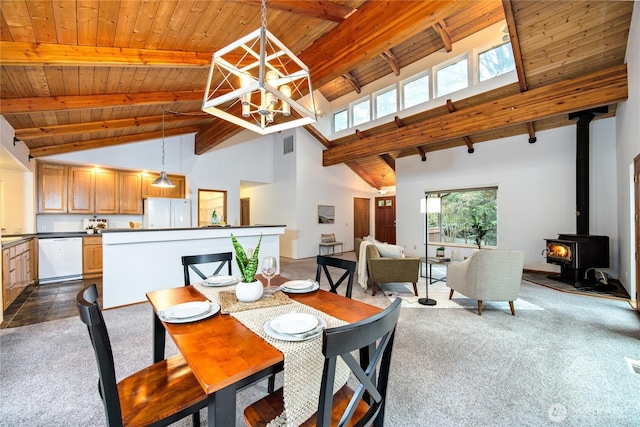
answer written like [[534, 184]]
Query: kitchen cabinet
[[130, 193], [81, 188], [91, 256], [87, 190], [17, 272], [52, 188], [107, 200], [176, 192]]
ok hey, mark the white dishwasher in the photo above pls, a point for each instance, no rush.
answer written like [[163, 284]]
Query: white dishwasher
[[59, 259]]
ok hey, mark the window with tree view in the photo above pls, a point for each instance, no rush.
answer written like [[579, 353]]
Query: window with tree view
[[463, 217], [495, 61]]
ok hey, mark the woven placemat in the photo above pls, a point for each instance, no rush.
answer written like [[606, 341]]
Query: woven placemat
[[229, 302]]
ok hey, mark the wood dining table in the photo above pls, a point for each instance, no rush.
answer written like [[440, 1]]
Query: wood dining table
[[226, 356]]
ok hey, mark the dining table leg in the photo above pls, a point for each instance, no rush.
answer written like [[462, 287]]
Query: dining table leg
[[221, 407], [159, 336]]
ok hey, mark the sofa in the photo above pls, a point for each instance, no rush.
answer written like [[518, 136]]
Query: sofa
[[388, 270]]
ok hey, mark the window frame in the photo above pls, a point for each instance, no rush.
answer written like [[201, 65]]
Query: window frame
[[403, 83], [446, 64], [374, 98], [343, 110], [352, 115], [496, 43]]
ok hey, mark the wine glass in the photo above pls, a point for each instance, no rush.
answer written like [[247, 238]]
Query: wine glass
[[268, 268]]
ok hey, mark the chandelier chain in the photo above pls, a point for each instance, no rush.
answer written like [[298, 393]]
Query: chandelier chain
[[264, 14]]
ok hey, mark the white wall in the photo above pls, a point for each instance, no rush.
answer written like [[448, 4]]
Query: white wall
[[627, 148], [536, 189]]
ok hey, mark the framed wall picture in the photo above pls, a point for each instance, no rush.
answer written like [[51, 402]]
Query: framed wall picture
[[326, 214]]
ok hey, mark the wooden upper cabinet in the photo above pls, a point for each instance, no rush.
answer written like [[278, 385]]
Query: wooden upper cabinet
[[130, 190], [52, 186], [81, 190], [176, 192], [107, 200]]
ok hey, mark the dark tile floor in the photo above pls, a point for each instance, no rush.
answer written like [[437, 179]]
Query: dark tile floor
[[41, 303]]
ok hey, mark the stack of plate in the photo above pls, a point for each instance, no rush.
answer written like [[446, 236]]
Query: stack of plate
[[295, 327], [300, 286], [189, 312], [220, 281]]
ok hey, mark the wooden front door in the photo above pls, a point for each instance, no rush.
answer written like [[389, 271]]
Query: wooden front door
[[385, 219], [361, 217]]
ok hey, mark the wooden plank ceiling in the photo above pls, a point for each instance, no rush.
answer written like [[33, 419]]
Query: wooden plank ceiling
[[84, 74]]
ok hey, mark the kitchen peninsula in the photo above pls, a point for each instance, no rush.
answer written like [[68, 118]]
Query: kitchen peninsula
[[137, 261]]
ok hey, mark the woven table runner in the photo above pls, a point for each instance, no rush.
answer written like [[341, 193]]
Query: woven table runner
[[303, 360]]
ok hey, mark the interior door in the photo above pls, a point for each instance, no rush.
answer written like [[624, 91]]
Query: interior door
[[385, 220], [361, 217], [245, 212], [636, 184]]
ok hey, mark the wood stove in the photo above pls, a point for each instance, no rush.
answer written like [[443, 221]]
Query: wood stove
[[575, 253]]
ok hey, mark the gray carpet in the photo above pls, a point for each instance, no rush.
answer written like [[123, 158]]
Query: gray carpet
[[564, 365]]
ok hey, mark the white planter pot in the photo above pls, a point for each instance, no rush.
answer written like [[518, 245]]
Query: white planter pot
[[249, 292]]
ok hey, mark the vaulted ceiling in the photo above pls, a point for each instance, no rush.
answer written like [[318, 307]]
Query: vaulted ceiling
[[83, 74]]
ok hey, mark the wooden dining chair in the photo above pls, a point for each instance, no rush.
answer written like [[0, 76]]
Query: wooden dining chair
[[348, 266], [158, 395], [190, 262], [365, 406]]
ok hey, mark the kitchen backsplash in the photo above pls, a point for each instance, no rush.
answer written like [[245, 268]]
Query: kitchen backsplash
[[65, 223]]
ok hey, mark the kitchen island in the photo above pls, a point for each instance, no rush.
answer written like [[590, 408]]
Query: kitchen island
[[137, 261]]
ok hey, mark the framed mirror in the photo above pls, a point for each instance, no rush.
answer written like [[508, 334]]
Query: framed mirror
[[208, 201]]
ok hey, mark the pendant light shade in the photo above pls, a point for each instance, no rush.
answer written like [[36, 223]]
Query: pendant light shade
[[259, 84], [163, 180]]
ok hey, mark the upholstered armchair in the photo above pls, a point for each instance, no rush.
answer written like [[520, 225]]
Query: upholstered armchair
[[388, 270], [488, 275]]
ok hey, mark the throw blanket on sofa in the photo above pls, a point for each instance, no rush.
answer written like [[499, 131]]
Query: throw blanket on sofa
[[363, 277]]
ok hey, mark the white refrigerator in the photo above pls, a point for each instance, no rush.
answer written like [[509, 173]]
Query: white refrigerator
[[166, 213]]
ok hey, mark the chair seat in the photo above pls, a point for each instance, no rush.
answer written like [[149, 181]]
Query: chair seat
[[266, 409], [158, 392]]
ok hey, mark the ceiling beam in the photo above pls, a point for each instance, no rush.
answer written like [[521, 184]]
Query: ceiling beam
[[600, 88], [107, 142], [325, 10], [361, 173], [42, 54], [351, 79], [467, 140], [515, 44], [27, 134], [389, 161], [391, 59], [61, 103], [368, 32], [445, 35]]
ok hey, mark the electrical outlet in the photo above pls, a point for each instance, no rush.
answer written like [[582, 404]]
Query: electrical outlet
[[44, 228], [414, 247]]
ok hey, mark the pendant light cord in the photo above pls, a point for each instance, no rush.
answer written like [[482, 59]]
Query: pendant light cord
[[162, 138], [264, 14]]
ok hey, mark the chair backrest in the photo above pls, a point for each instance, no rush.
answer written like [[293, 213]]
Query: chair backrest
[[373, 337], [348, 266], [91, 315], [190, 262]]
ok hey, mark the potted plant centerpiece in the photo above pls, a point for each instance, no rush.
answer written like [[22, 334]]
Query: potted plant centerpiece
[[249, 289]]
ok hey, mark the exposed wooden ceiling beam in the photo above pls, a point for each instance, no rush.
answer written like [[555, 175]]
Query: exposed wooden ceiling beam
[[391, 59], [325, 10], [445, 35], [318, 135], [515, 44], [399, 122], [368, 32], [107, 142], [389, 161], [532, 133], [423, 155], [27, 134], [351, 79], [467, 140], [593, 90], [33, 54], [361, 173], [53, 103]]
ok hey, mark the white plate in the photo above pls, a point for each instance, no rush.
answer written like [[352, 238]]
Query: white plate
[[213, 310], [313, 288], [187, 309], [220, 281], [284, 337], [298, 284], [294, 323]]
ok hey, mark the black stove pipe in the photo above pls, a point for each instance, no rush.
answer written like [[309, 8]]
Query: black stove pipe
[[582, 166]]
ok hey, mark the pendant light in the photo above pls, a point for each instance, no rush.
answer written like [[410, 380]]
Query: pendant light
[[383, 190], [266, 78], [163, 180]]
